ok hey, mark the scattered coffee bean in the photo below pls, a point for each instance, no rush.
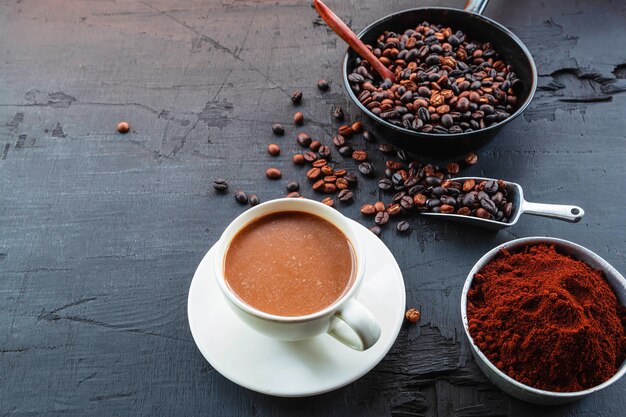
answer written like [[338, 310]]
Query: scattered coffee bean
[[345, 131], [345, 195], [303, 139], [329, 187], [471, 158], [357, 127], [323, 85], [293, 194], [298, 159], [123, 127], [346, 150], [342, 183], [366, 168], [278, 129], [273, 149], [339, 141], [386, 148], [403, 155], [412, 315], [273, 173], [324, 151], [351, 178], [385, 184], [376, 230], [315, 145], [368, 210], [379, 206], [453, 168], [338, 113], [241, 197], [254, 200], [314, 174], [394, 209], [359, 156], [328, 201], [298, 118], [319, 163], [296, 97], [446, 83], [327, 170], [293, 186], [381, 218], [309, 156], [402, 226], [369, 136], [220, 184]]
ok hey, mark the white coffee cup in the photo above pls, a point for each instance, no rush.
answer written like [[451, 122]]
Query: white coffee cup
[[346, 319]]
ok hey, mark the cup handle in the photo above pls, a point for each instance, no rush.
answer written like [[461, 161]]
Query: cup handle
[[354, 326]]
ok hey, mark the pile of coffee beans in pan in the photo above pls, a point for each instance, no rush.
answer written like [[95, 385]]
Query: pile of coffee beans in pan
[[445, 82]]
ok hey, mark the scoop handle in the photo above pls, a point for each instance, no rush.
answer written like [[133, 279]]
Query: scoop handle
[[572, 214], [475, 6]]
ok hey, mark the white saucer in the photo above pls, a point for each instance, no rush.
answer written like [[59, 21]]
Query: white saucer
[[295, 369]]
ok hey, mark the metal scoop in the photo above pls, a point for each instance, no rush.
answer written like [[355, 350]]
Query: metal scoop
[[515, 195]]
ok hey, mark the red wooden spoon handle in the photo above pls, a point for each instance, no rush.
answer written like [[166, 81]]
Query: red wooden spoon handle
[[345, 33]]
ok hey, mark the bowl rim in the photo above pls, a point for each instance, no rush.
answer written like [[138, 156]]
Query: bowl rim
[[415, 133], [607, 268]]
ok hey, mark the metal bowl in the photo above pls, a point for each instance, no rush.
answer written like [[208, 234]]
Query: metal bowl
[[502, 380], [477, 27]]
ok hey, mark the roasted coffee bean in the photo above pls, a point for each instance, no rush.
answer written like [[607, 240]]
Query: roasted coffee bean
[[323, 85], [359, 156], [464, 211], [381, 218], [298, 118], [314, 174], [241, 197], [273, 149], [315, 145], [368, 210], [453, 168], [293, 194], [319, 163], [345, 195], [273, 173], [489, 205], [345, 131], [324, 151], [386, 148], [339, 141], [303, 139], [366, 168], [379, 206], [406, 202], [369, 136], [376, 230], [483, 214], [469, 185], [296, 97], [433, 202], [508, 209], [278, 129], [254, 200], [351, 178], [403, 155], [338, 113], [394, 209], [471, 158], [446, 209], [328, 201], [340, 172], [357, 127], [346, 150], [220, 184], [491, 187], [329, 188], [298, 159], [402, 226], [330, 178], [293, 186], [385, 184], [342, 183], [123, 127], [309, 156], [327, 170], [317, 186]]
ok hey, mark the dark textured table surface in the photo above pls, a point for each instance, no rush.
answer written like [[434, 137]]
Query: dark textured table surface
[[100, 233]]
